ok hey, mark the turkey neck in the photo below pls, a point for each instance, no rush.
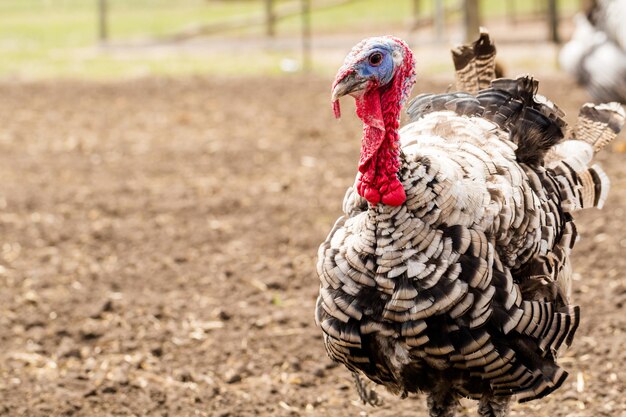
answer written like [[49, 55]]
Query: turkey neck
[[379, 109]]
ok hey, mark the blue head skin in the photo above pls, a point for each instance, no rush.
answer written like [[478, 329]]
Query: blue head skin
[[377, 66], [372, 63]]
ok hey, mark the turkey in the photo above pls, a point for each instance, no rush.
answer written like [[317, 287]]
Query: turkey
[[448, 272], [596, 53], [608, 17]]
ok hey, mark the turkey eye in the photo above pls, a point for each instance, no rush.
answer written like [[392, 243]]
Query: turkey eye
[[376, 59]]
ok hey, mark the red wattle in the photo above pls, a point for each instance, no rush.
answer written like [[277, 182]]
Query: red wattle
[[368, 192], [379, 154], [396, 195]]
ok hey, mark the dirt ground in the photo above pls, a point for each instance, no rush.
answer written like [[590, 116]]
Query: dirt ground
[[158, 242]]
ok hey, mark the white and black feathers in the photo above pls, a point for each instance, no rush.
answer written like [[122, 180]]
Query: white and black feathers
[[596, 54], [464, 290]]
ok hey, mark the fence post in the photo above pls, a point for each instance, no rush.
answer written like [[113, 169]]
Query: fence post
[[270, 18], [103, 32], [472, 20], [553, 21], [306, 35], [439, 20], [416, 10], [511, 12]]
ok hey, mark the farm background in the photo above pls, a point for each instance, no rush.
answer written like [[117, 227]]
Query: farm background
[[161, 204], [60, 38]]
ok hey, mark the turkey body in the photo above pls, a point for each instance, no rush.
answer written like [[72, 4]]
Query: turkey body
[[448, 272], [596, 54], [464, 287]]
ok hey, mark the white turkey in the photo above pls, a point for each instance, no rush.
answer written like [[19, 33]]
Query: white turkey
[[596, 54], [448, 272]]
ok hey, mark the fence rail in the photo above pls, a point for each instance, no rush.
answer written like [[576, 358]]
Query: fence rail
[[271, 12]]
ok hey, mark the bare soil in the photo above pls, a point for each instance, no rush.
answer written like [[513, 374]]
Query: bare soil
[[158, 241]]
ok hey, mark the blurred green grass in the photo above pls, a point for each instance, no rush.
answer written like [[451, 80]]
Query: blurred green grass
[[59, 38]]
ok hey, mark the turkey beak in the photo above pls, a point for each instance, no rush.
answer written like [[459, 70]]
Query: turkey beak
[[349, 84]]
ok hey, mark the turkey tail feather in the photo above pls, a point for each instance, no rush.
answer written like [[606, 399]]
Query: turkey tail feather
[[475, 64], [583, 186], [534, 124], [599, 124], [595, 186]]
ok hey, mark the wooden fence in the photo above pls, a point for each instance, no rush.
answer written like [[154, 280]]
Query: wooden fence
[[274, 12]]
